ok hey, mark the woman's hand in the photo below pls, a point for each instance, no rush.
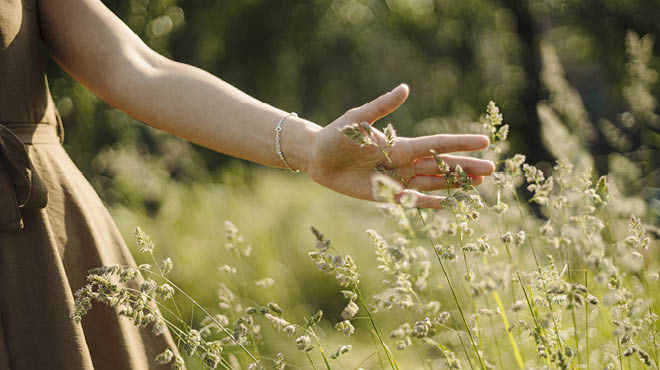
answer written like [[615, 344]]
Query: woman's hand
[[341, 164]]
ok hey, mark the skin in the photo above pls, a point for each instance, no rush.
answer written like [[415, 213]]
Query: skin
[[101, 52]]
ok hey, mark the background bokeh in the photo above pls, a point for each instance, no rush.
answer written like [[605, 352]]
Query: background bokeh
[[320, 58], [542, 61]]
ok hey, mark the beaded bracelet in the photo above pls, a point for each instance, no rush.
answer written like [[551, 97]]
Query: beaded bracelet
[[278, 148]]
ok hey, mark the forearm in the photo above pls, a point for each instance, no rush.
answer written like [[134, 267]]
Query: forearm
[[101, 52], [199, 107]]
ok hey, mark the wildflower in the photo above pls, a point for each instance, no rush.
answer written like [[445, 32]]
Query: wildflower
[[547, 228], [463, 180], [350, 310], [304, 343], [445, 170], [349, 294], [400, 332], [233, 238], [492, 125], [143, 241], [290, 329], [442, 317], [518, 306], [192, 340], [165, 357], [452, 361], [512, 170], [637, 238], [421, 328], [316, 318], [403, 344], [408, 199], [265, 282], [519, 238], [178, 363], [168, 265], [210, 359], [251, 310], [127, 274], [360, 133], [227, 269], [384, 188], [278, 322], [390, 135], [148, 287], [165, 291], [279, 361], [345, 327], [500, 207], [502, 132], [446, 252], [158, 328], [340, 351], [322, 243], [602, 189]]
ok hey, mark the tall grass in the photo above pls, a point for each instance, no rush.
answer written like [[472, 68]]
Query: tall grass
[[571, 272]]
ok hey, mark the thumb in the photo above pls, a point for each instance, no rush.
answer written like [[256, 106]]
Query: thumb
[[381, 106]]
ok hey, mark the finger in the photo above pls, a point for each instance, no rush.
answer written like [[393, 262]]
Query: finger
[[473, 166], [411, 148], [381, 106], [425, 200], [429, 183]]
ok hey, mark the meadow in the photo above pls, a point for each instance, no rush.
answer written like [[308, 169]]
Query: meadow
[[549, 264], [563, 280]]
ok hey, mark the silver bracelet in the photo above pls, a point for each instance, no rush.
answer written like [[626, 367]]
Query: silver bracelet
[[278, 148]]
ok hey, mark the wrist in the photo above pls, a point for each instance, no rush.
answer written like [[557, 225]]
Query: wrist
[[296, 142]]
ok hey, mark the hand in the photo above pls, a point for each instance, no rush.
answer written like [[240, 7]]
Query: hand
[[342, 165]]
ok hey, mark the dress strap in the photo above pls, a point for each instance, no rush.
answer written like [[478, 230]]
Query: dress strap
[[30, 133]]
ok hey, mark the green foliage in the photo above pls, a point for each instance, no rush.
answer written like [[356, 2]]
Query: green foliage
[[565, 280], [577, 281]]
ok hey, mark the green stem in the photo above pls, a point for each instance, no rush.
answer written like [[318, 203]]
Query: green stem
[[194, 302], [310, 361], [497, 342], [469, 278], [575, 331], [380, 358], [179, 333], [253, 340], [618, 343], [389, 355], [415, 344], [653, 329], [365, 359], [162, 275], [318, 343], [529, 298], [453, 292], [586, 315], [505, 321], [538, 268]]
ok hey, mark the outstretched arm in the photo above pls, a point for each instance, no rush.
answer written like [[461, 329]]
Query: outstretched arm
[[101, 52]]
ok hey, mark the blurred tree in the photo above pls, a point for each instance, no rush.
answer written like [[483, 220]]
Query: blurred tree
[[320, 58]]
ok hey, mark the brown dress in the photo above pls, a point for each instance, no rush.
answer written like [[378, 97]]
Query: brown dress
[[53, 227]]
